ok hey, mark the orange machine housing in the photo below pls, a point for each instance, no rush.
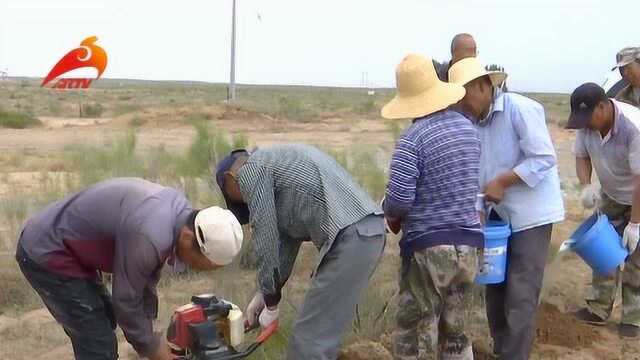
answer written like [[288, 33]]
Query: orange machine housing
[[178, 332]]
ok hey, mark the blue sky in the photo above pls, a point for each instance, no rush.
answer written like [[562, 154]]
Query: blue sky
[[545, 45]]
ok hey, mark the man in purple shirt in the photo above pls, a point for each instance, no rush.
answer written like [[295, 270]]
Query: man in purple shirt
[[128, 227]]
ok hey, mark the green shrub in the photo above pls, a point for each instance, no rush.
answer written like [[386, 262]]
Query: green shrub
[[137, 121], [396, 128], [55, 108], [363, 162], [18, 120], [367, 107], [291, 108], [206, 149], [94, 110], [121, 109]]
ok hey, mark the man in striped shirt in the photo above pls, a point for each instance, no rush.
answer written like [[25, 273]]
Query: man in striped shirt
[[295, 193], [431, 195]]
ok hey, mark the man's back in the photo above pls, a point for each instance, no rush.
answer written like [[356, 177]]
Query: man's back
[[77, 235], [314, 196], [434, 174]]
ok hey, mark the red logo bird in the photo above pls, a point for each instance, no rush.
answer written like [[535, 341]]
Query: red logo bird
[[86, 55]]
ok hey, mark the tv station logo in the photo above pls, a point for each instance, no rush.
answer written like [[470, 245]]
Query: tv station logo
[[88, 54]]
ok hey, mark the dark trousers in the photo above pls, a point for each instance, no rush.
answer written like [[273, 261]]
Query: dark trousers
[[81, 306], [512, 305]]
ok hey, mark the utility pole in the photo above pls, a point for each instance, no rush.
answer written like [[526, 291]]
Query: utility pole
[[231, 93]]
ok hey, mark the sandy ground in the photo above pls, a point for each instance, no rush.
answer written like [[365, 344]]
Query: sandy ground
[[162, 128], [565, 283]]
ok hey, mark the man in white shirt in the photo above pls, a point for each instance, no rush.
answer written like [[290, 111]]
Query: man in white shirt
[[518, 173]]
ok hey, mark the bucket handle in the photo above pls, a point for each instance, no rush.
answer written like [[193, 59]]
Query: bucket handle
[[568, 244]]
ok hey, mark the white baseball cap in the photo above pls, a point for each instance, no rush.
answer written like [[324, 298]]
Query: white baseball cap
[[219, 234]]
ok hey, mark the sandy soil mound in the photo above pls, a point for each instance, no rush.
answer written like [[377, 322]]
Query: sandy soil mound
[[557, 328], [365, 350]]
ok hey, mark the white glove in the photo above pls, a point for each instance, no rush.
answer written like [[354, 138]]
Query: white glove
[[631, 236], [267, 317], [254, 309], [589, 197]]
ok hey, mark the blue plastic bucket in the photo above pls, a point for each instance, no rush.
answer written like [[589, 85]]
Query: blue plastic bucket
[[496, 241], [599, 245]]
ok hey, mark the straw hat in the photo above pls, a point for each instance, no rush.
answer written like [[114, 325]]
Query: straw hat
[[420, 92], [466, 70]]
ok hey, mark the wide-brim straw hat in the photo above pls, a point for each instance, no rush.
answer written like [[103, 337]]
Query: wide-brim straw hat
[[469, 69], [419, 91]]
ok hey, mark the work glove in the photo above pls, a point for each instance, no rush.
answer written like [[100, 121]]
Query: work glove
[[267, 316], [254, 309], [589, 197], [631, 236]]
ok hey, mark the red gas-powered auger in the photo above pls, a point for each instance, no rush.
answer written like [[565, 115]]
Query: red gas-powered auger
[[209, 328]]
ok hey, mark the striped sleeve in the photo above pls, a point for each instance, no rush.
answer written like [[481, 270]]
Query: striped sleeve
[[403, 176], [258, 182]]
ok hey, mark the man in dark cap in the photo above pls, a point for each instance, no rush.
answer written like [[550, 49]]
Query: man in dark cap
[[628, 63], [294, 193], [608, 140]]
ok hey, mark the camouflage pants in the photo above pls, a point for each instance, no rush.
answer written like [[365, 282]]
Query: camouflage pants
[[604, 288], [435, 287]]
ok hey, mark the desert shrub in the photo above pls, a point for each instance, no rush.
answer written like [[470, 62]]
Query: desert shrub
[[55, 108], [121, 158], [367, 107], [18, 120], [121, 109], [291, 108], [93, 110], [367, 166], [137, 121], [396, 128], [16, 292], [207, 147]]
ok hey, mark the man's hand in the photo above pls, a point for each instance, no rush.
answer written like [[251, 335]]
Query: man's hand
[[631, 236], [268, 316], [483, 218], [589, 196], [163, 352], [494, 191], [254, 309], [393, 224]]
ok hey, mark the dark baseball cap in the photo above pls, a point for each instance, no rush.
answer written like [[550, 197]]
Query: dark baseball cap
[[240, 210], [584, 100]]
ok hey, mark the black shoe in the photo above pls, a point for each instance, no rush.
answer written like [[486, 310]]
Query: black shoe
[[628, 331], [588, 317]]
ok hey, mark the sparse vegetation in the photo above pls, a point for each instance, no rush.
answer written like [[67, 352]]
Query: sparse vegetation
[[291, 108], [367, 107], [137, 121], [91, 110], [18, 120]]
